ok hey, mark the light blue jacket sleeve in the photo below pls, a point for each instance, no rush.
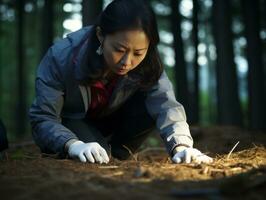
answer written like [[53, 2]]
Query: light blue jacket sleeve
[[48, 132], [169, 114]]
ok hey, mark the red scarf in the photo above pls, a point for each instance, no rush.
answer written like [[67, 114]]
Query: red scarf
[[100, 96]]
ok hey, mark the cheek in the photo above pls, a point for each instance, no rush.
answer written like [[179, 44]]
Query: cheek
[[116, 58], [111, 58], [108, 57], [137, 61]]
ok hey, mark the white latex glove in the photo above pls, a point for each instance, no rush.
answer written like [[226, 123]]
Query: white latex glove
[[189, 154], [91, 152]]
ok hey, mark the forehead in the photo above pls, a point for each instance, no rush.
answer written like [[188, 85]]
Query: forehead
[[130, 38]]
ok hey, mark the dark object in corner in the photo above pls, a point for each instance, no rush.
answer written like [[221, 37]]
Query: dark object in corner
[[3, 137]]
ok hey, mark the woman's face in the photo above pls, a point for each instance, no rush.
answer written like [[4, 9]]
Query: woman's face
[[124, 50]]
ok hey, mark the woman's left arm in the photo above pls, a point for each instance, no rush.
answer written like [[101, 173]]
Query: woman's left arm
[[170, 118]]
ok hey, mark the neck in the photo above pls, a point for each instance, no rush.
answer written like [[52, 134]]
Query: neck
[[109, 75]]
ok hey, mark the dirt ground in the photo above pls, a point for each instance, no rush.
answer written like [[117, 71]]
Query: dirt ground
[[26, 174]]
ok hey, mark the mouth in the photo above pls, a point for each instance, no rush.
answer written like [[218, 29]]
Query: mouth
[[121, 70]]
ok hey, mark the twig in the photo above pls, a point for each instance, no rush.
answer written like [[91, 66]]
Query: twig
[[168, 167], [108, 167], [235, 169], [120, 173], [130, 152], [217, 170], [229, 154]]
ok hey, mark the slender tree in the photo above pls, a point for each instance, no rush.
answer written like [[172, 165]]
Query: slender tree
[[264, 44], [1, 89], [229, 110], [90, 11], [3, 137], [256, 87], [195, 96], [47, 25], [180, 65], [21, 102]]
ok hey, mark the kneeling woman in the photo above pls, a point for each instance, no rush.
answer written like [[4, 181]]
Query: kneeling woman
[[102, 90]]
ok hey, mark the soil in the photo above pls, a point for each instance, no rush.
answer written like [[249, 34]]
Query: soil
[[27, 174]]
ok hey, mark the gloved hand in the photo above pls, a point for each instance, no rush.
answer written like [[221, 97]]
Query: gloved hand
[[189, 154], [91, 152]]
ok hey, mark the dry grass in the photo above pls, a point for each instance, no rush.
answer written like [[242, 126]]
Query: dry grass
[[149, 174]]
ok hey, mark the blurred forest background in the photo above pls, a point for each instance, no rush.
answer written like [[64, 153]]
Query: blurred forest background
[[213, 51]]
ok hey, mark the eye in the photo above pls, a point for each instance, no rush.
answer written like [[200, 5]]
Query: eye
[[119, 50], [137, 54]]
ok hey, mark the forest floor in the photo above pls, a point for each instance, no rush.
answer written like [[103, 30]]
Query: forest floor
[[26, 174]]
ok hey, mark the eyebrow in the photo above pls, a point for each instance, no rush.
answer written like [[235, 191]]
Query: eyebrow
[[121, 45]]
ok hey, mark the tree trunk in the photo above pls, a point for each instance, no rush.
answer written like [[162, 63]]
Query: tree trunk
[[1, 64], [180, 65], [256, 87], [229, 110], [21, 106], [3, 137], [195, 96], [264, 45], [90, 11], [47, 25]]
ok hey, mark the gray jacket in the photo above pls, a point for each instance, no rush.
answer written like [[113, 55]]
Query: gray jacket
[[59, 95]]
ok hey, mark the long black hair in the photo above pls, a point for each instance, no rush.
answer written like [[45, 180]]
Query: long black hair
[[121, 15]]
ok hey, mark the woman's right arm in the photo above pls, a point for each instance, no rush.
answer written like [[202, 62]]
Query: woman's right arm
[[48, 132]]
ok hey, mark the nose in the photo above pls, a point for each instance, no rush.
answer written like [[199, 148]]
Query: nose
[[126, 60]]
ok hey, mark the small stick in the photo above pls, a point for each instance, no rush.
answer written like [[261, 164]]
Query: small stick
[[108, 167], [113, 174], [130, 152], [229, 154]]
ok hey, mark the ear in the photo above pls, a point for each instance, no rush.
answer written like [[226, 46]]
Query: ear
[[99, 34]]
